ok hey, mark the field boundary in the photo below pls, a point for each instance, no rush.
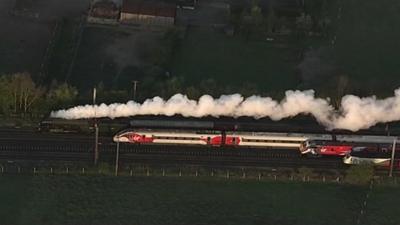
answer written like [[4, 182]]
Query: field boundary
[[249, 174]]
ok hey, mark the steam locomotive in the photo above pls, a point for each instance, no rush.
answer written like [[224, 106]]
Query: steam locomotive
[[298, 124]]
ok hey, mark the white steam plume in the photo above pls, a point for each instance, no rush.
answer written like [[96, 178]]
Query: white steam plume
[[354, 113]]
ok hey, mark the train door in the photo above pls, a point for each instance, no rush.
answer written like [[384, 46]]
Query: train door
[[223, 138]]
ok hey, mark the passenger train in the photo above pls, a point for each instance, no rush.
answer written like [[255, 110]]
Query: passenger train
[[315, 145], [247, 139]]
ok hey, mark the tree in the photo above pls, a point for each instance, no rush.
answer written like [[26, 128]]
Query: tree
[[24, 92], [252, 20], [209, 86], [6, 102], [192, 92], [62, 95], [304, 23], [256, 16], [172, 86], [248, 89], [360, 174]]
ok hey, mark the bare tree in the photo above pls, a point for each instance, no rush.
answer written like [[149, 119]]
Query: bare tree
[[24, 91]]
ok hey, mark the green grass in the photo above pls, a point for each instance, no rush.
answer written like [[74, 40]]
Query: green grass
[[368, 46], [13, 198], [233, 61], [62, 51], [140, 200], [92, 64], [382, 207]]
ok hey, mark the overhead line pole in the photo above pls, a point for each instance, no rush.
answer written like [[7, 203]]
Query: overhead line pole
[[96, 130], [134, 89], [392, 159], [117, 159]]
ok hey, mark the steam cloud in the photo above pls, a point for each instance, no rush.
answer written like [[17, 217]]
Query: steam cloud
[[354, 113]]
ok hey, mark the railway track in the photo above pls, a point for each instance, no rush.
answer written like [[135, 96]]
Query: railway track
[[28, 145], [81, 146], [83, 152], [25, 145]]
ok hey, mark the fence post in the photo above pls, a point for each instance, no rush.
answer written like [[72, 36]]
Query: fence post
[[275, 176], [34, 170], [323, 179], [67, 170], [244, 175], [227, 174], [51, 170], [163, 172], [180, 173], [2, 169], [19, 169], [259, 176], [131, 173], [197, 173], [212, 173], [83, 170], [148, 172]]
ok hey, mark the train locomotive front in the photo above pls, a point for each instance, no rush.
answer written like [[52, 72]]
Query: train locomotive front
[[378, 154]]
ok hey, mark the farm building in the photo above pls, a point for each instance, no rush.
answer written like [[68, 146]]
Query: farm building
[[150, 13], [104, 12], [186, 4]]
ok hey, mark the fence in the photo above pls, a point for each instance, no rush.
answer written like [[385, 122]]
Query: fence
[[140, 170]]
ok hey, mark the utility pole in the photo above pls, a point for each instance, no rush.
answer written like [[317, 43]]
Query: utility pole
[[392, 159], [117, 159], [134, 89], [387, 129], [96, 130]]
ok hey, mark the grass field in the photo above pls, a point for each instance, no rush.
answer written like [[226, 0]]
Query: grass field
[[126, 200], [112, 56], [368, 47], [233, 61]]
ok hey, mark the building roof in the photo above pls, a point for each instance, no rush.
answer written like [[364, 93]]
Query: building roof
[[105, 9], [149, 7]]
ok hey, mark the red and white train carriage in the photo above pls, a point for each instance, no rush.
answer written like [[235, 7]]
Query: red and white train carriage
[[212, 139]]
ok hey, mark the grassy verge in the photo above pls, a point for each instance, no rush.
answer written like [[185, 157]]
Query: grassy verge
[[147, 200]]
